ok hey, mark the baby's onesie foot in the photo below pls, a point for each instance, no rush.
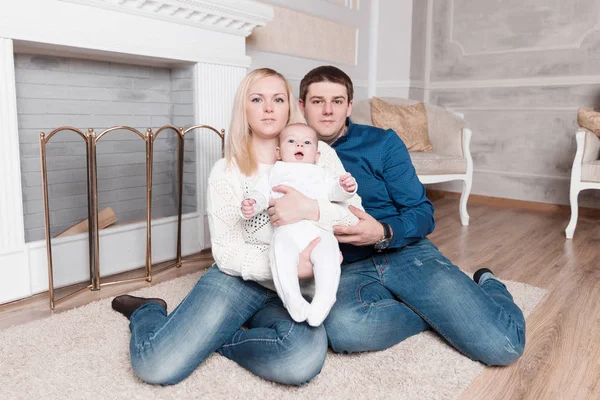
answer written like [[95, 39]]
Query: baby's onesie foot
[[319, 310], [298, 309]]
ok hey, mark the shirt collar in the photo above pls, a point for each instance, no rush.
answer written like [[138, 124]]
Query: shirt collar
[[345, 136]]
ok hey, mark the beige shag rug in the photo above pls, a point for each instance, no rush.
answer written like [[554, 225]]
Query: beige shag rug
[[84, 353]]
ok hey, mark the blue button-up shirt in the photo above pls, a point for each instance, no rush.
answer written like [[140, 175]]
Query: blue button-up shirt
[[387, 184]]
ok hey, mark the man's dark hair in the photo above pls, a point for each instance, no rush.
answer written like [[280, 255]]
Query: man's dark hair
[[326, 73]]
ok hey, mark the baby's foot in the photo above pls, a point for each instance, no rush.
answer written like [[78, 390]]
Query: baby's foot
[[319, 310], [298, 308]]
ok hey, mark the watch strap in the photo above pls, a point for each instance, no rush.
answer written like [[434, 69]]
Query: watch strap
[[387, 231], [387, 237]]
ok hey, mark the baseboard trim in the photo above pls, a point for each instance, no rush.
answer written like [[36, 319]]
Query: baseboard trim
[[122, 248], [436, 194], [203, 257]]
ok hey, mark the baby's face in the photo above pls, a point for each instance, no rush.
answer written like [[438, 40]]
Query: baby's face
[[298, 143]]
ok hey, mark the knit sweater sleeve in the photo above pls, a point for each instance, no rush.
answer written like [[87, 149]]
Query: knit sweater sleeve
[[331, 214], [233, 254]]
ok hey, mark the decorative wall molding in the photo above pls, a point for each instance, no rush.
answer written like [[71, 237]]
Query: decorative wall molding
[[575, 45], [513, 174], [401, 84], [362, 83], [531, 83], [238, 17], [352, 4], [522, 82], [341, 3], [417, 84], [515, 108]]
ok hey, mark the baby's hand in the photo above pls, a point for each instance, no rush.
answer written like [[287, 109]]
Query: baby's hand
[[248, 208], [347, 182]]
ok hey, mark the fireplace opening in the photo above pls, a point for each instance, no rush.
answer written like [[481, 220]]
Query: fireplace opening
[[58, 91]]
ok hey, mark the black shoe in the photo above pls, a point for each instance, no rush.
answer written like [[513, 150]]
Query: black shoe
[[127, 304], [479, 272]]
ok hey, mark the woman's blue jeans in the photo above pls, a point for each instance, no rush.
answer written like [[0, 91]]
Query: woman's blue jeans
[[165, 349], [388, 297]]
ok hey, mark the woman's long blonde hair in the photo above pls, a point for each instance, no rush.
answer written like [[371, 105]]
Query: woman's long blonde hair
[[238, 145]]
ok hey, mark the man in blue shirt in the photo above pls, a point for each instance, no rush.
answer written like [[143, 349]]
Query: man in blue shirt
[[395, 283]]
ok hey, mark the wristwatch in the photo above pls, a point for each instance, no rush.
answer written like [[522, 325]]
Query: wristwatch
[[387, 237]]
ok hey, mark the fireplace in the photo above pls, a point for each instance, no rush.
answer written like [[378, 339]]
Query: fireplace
[[202, 41]]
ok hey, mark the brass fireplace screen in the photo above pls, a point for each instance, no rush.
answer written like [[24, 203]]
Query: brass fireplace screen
[[91, 140]]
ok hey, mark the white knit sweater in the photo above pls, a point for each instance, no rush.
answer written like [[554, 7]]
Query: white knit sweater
[[241, 247]]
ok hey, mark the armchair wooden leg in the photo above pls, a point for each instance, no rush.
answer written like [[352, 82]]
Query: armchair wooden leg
[[464, 198], [570, 231]]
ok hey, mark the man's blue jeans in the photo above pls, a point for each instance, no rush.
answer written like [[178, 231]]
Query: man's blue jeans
[[388, 297], [166, 349]]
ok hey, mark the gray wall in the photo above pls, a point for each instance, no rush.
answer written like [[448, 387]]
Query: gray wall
[[393, 36], [394, 48], [54, 91], [294, 67], [518, 71]]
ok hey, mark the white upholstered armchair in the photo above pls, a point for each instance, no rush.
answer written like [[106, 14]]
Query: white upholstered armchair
[[585, 173], [450, 159]]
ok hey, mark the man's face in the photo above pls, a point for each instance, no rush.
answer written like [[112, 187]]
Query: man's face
[[298, 143], [326, 108]]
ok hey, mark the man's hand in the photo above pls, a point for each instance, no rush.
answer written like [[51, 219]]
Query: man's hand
[[367, 232], [248, 208], [292, 207], [347, 182]]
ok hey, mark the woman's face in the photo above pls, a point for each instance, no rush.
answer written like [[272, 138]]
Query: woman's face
[[267, 107]]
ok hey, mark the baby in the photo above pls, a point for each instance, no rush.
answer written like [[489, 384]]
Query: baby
[[298, 154]]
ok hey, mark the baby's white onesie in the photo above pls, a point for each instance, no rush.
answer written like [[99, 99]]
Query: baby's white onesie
[[289, 241]]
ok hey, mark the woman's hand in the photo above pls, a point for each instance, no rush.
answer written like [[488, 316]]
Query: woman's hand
[[305, 267]]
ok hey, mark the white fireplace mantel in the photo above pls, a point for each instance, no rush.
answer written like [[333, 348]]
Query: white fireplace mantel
[[164, 30], [210, 34]]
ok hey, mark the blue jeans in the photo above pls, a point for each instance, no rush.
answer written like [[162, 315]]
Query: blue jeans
[[388, 297], [165, 349]]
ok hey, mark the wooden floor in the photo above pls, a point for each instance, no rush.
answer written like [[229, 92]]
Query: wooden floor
[[562, 356]]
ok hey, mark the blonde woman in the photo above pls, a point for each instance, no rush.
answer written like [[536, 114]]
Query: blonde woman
[[233, 309]]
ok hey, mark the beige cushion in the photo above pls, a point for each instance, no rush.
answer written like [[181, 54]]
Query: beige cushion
[[408, 121], [590, 171], [589, 119], [438, 164], [445, 127], [361, 112], [591, 147], [445, 130]]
